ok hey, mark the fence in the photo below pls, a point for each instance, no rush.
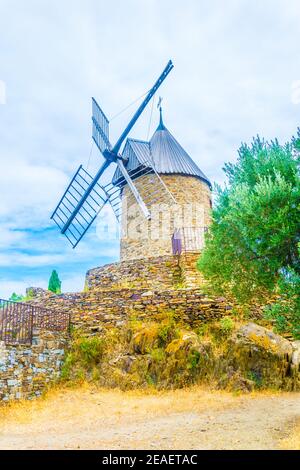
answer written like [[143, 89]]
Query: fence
[[17, 321], [188, 239]]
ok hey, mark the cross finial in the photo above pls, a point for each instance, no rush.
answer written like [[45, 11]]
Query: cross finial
[[161, 124]]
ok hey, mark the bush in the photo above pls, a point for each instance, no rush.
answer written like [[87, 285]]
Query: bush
[[90, 350], [285, 313], [226, 325], [83, 358]]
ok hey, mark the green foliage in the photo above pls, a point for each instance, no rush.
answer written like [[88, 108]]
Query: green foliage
[[286, 311], [29, 295], [253, 239], [54, 283], [90, 350], [256, 378], [193, 360], [167, 331], [84, 356], [22, 298], [158, 354], [226, 325], [16, 298]]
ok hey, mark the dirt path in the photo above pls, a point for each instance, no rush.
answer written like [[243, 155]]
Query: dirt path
[[188, 419]]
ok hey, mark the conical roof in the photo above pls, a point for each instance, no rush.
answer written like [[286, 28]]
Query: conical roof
[[165, 153]]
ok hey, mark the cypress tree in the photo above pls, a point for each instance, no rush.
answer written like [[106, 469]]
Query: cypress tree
[[54, 283]]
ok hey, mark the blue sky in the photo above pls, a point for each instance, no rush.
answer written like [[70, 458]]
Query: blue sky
[[236, 69]]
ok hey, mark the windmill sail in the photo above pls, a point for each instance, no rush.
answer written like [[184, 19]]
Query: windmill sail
[[114, 198], [154, 189], [100, 127], [88, 211], [85, 196]]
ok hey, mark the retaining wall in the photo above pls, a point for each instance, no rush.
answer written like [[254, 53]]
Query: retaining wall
[[160, 272], [95, 309], [26, 370]]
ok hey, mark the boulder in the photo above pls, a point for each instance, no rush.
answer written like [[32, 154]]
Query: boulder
[[187, 341], [296, 353], [144, 340], [257, 338], [268, 359]]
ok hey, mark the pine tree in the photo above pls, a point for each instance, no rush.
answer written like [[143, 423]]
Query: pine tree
[[54, 283]]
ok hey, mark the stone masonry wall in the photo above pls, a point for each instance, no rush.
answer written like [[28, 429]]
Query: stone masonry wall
[[144, 239], [161, 272], [97, 310], [25, 370]]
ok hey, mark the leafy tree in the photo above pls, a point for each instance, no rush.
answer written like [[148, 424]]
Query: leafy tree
[[252, 243], [16, 298], [54, 283], [285, 313]]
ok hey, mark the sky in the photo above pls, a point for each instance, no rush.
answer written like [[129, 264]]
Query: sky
[[236, 75]]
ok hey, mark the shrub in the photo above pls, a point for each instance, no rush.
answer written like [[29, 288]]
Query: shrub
[[84, 357], [90, 350], [226, 325], [285, 313]]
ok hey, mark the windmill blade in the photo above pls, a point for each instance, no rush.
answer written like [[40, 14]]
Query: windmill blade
[[143, 105], [133, 188], [100, 127], [74, 223], [114, 198]]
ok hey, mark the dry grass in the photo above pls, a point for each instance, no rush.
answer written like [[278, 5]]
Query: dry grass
[[90, 418], [79, 403]]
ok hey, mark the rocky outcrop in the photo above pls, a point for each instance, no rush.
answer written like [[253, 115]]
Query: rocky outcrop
[[266, 357], [256, 338]]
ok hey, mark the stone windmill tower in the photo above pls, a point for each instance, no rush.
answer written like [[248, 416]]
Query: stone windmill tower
[[159, 196], [180, 212]]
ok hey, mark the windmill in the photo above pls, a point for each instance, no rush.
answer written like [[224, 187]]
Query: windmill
[[85, 196]]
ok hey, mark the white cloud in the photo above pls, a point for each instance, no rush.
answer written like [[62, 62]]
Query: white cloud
[[2, 92], [30, 260], [29, 193]]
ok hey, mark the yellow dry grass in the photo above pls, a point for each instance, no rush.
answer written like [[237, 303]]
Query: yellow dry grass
[[79, 403], [91, 418]]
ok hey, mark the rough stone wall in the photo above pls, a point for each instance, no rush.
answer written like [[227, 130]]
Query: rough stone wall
[[143, 239], [161, 272], [97, 310], [190, 276], [25, 370]]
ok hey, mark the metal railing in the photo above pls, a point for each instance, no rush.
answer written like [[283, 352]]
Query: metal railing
[[17, 321], [188, 239]]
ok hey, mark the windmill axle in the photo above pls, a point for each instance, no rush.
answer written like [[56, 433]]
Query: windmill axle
[[110, 156]]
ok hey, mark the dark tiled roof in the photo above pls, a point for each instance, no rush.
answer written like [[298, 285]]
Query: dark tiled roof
[[165, 153]]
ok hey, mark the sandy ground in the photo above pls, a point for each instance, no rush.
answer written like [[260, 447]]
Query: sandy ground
[[183, 419]]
